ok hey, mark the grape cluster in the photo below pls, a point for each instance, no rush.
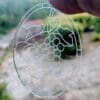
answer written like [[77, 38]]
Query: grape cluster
[[56, 43]]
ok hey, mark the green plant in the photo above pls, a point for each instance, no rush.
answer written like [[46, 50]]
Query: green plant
[[3, 31], [6, 23], [96, 37], [96, 34], [59, 38], [97, 28], [97, 25], [3, 92], [86, 20]]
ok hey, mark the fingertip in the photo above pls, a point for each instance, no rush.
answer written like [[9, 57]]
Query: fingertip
[[66, 6], [90, 6]]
